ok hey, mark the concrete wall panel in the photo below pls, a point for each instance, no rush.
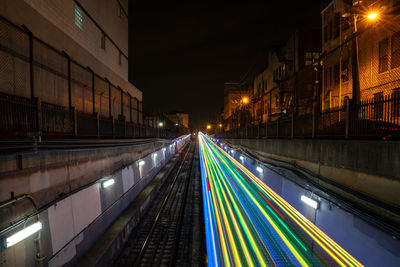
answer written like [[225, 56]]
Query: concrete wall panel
[[86, 206], [61, 224]]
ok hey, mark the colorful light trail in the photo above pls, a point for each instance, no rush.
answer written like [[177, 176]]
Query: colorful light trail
[[248, 224]]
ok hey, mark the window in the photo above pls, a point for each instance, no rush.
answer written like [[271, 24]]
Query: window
[[119, 12], [395, 50], [383, 55], [78, 17], [336, 74], [330, 76], [345, 70], [378, 106], [337, 26], [103, 40], [120, 58], [330, 29], [326, 77], [325, 34]]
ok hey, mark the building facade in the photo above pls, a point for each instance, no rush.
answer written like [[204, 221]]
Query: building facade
[[286, 86], [361, 54], [91, 36], [233, 96]]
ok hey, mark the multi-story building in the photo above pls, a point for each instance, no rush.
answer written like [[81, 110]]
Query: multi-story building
[[92, 33], [179, 118], [286, 85], [366, 35], [233, 97]]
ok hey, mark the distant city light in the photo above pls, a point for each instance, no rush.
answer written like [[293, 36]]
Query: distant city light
[[309, 201], [176, 124], [108, 183], [241, 157], [259, 169], [220, 125], [160, 124], [245, 100], [141, 163], [208, 126], [232, 151]]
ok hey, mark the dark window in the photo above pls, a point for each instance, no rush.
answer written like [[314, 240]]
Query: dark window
[[326, 77], [395, 50], [345, 70], [330, 76], [103, 40], [383, 55], [120, 58], [325, 34], [345, 23], [330, 29], [337, 26], [336, 74], [378, 105]]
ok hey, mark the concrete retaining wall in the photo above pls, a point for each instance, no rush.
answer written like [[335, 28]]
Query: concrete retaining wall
[[73, 221], [369, 167]]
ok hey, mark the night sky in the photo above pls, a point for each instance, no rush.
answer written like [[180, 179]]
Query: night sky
[[182, 52]]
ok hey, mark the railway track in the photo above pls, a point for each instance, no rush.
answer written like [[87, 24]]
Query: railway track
[[164, 237]]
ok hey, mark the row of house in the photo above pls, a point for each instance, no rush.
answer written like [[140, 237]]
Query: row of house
[[314, 69]]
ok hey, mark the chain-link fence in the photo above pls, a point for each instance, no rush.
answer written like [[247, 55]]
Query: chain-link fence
[[45, 92]]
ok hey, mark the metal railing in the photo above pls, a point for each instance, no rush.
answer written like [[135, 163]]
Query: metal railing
[[23, 117], [373, 118], [45, 92]]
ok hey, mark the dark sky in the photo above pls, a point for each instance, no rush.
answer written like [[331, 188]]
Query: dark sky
[[182, 52]]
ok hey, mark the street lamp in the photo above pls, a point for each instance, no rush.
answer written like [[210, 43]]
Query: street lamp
[[245, 100], [220, 125], [160, 124], [372, 15], [208, 126]]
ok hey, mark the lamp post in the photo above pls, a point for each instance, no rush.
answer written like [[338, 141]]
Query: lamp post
[[371, 16]]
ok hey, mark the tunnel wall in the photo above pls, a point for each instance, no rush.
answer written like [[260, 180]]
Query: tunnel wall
[[73, 221], [369, 167]]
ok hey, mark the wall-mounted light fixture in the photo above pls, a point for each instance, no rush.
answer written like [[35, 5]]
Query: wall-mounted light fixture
[[107, 183], [309, 201], [24, 233]]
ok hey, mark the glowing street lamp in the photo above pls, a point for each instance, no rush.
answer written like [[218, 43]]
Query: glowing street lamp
[[245, 100], [208, 126], [372, 15], [160, 124], [220, 125]]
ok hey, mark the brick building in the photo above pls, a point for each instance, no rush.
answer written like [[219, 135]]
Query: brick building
[[286, 85], [377, 51]]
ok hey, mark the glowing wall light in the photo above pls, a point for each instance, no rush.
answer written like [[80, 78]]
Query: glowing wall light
[[141, 163], [309, 201], [232, 151], [21, 235], [241, 157], [164, 149], [108, 183], [259, 169]]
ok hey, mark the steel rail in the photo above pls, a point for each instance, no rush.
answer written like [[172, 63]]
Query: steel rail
[[159, 212]]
